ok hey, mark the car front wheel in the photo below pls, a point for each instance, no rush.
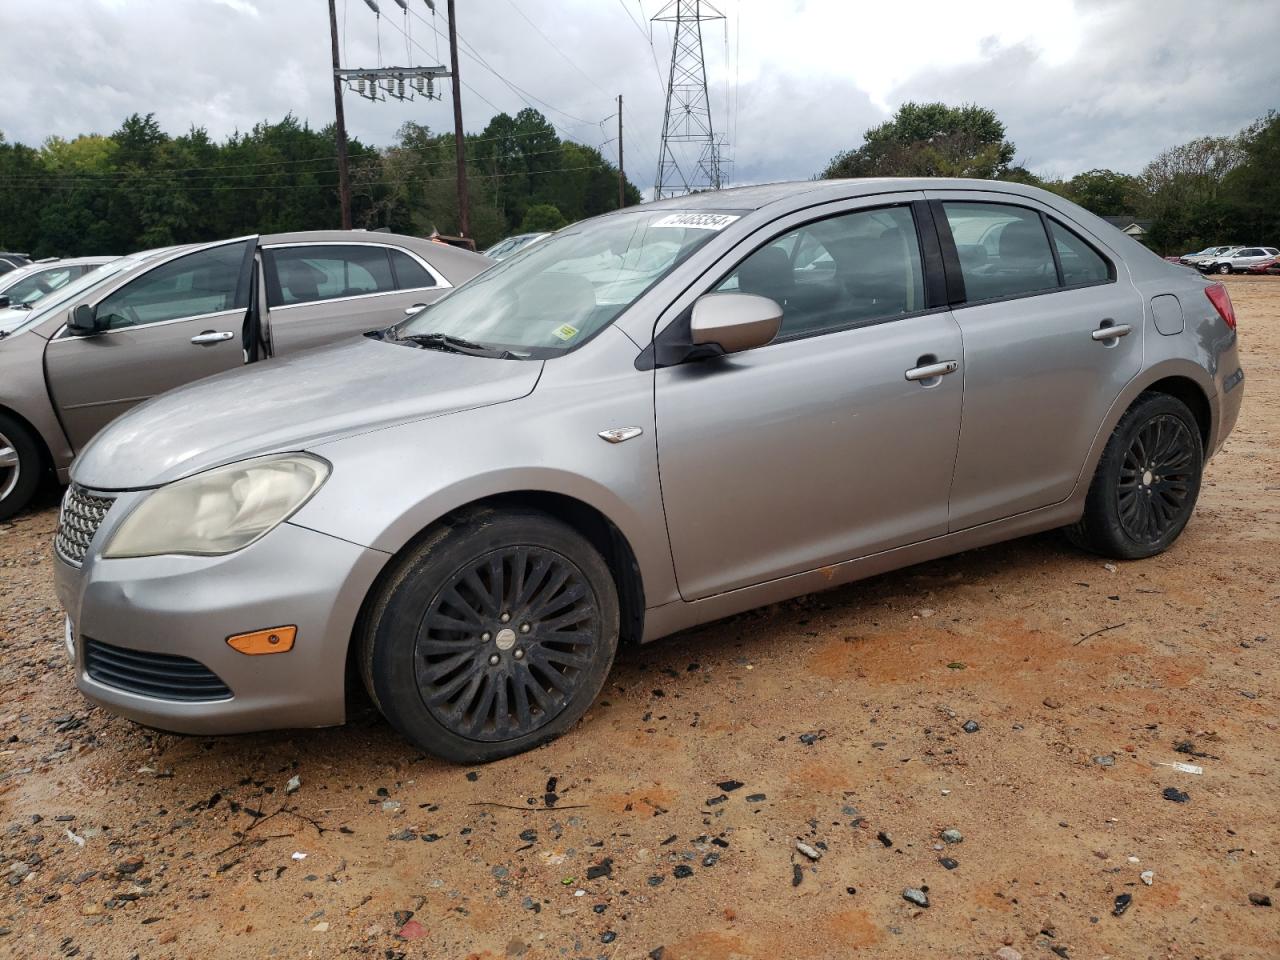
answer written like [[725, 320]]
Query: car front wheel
[[1224, 268], [491, 636], [20, 466], [1145, 487]]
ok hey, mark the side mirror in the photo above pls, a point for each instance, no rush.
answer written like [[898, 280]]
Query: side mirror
[[734, 321], [4, 301], [83, 321]]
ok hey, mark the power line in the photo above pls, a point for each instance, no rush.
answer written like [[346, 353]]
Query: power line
[[380, 182], [569, 60]]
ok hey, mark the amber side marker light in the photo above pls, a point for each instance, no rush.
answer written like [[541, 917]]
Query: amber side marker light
[[275, 640]]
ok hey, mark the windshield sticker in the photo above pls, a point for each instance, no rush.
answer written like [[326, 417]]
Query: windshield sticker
[[697, 221], [566, 331]]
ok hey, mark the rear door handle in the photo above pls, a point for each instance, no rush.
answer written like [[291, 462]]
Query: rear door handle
[[211, 336], [1113, 332], [931, 370]]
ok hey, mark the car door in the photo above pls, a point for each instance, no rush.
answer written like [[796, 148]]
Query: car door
[[1052, 333], [322, 292], [828, 443], [171, 324]]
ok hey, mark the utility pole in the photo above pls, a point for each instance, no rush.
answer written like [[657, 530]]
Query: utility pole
[[459, 143], [622, 177], [344, 177]]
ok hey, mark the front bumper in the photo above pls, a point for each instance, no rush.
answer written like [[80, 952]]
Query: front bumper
[[184, 606]]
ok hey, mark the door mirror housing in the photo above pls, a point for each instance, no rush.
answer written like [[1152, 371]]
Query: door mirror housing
[[84, 321], [4, 301], [734, 321]]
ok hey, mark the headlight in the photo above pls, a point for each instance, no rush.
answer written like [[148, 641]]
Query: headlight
[[219, 511]]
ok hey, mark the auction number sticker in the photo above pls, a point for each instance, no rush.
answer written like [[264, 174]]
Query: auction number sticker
[[566, 331], [697, 221]]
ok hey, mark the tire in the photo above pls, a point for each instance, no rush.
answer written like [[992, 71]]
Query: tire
[[20, 466], [461, 682], [1146, 484], [1222, 268]]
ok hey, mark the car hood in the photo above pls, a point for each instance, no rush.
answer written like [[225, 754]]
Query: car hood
[[11, 319], [292, 403]]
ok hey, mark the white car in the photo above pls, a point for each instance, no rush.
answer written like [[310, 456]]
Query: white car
[[1208, 253], [22, 287], [1236, 259]]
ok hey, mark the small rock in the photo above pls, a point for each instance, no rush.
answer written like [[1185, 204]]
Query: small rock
[[390, 806], [952, 835], [321, 927], [608, 936], [1259, 899], [756, 798], [294, 784], [1052, 704], [797, 874], [412, 930], [602, 869], [1105, 760], [971, 726], [949, 863], [811, 852], [402, 917], [913, 895], [1122, 904], [884, 839], [1148, 877], [728, 786], [1176, 795], [682, 871], [405, 834], [1007, 953], [130, 866]]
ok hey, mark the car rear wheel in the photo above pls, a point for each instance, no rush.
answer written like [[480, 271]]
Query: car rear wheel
[[492, 636], [19, 466], [1146, 484]]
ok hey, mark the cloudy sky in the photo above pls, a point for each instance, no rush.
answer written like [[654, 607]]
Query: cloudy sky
[[1079, 83]]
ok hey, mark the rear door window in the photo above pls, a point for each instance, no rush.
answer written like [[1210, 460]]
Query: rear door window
[[410, 274], [1081, 264], [305, 274], [844, 271], [1003, 250]]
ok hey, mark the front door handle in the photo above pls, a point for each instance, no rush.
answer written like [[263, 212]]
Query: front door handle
[[211, 336], [931, 370], [410, 311], [1113, 332]]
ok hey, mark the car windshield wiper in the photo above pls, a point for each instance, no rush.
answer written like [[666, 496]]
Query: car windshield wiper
[[447, 341]]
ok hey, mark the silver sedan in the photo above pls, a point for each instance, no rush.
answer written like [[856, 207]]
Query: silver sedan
[[649, 420]]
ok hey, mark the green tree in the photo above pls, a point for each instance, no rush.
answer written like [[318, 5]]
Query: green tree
[[542, 218], [1106, 192], [930, 140]]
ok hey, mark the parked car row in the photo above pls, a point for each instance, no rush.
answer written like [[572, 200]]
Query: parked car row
[[140, 325], [1231, 259], [646, 421]]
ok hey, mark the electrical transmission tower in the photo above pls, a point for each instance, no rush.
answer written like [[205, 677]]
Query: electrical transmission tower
[[686, 128]]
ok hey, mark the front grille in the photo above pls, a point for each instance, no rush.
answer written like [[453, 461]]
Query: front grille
[[81, 515], [149, 674]]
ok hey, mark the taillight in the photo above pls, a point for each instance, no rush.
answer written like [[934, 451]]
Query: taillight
[[1221, 300]]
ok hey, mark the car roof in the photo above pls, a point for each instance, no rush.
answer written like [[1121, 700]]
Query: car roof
[[455, 263]]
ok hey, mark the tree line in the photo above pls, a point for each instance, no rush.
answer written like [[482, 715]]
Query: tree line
[[1210, 190], [139, 188]]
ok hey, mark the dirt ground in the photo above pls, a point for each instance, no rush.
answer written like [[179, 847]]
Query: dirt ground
[[665, 824]]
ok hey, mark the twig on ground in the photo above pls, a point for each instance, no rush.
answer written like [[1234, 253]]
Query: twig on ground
[[1114, 626]]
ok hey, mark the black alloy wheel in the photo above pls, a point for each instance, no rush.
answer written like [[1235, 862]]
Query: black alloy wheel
[[1156, 478], [506, 642], [490, 635]]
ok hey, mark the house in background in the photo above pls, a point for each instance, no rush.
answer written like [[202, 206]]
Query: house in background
[[1137, 229]]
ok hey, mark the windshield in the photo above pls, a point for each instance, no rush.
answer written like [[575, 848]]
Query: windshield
[[561, 291]]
